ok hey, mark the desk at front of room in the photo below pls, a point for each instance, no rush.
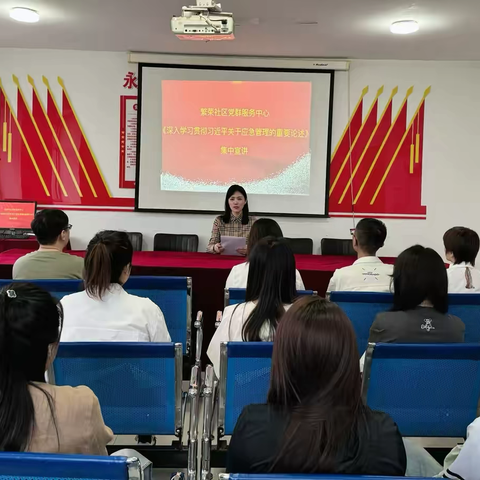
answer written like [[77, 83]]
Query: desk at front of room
[[209, 274]]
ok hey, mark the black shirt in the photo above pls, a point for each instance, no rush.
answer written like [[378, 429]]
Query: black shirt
[[420, 325], [375, 448]]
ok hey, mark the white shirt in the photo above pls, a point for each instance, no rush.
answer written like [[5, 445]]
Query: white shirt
[[367, 274], [239, 274], [230, 330], [118, 317], [457, 278], [467, 464]]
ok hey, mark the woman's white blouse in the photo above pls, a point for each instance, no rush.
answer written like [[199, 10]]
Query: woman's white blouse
[[230, 330], [117, 317], [239, 274]]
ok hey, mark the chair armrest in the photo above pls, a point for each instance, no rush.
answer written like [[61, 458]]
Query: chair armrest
[[193, 397], [208, 405], [199, 343]]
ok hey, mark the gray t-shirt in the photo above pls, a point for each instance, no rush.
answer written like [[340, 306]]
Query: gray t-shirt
[[420, 325], [42, 264]]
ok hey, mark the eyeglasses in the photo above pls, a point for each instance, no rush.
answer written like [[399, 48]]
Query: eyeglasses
[[69, 227], [352, 231]]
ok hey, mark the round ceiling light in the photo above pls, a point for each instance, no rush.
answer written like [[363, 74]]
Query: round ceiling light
[[404, 27], [26, 15]]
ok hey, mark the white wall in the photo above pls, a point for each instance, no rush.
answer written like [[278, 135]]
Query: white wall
[[451, 161]]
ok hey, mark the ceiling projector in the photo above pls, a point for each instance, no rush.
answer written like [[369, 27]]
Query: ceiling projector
[[204, 21]]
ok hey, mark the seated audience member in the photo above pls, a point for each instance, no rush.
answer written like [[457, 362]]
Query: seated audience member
[[270, 292], [420, 303], [35, 416], [263, 227], [368, 273], [461, 249], [105, 312], [314, 420], [463, 462], [52, 230]]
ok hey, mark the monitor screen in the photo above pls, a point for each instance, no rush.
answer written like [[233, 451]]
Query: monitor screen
[[16, 214]]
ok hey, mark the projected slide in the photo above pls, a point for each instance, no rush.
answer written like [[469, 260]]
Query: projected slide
[[253, 133], [202, 129]]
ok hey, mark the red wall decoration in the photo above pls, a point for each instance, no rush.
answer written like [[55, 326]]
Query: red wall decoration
[[46, 156], [376, 167]]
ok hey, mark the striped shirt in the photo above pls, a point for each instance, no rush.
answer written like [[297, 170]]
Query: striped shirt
[[234, 228]]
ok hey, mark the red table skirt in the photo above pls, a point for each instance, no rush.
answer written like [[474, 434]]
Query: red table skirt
[[27, 244], [209, 274]]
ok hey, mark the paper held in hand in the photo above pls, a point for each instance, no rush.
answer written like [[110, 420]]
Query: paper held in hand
[[230, 244]]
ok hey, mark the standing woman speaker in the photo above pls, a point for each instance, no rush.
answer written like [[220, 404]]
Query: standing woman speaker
[[235, 222]]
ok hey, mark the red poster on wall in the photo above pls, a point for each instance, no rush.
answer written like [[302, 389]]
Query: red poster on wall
[[128, 140]]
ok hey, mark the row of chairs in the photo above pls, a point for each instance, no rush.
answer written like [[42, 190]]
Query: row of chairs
[[172, 294], [362, 307], [34, 466], [169, 242], [429, 390]]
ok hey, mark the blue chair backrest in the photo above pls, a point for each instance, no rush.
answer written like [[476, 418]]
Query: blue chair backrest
[[233, 296], [47, 466], [430, 390], [466, 306], [244, 378], [330, 476], [138, 384], [361, 308], [57, 288], [171, 294]]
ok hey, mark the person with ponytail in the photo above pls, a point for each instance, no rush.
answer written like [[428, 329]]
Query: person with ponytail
[[105, 312], [270, 292], [35, 416], [314, 420]]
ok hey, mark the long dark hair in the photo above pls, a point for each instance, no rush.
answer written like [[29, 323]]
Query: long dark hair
[[263, 227], [30, 321], [108, 253], [271, 283], [316, 377], [228, 211], [419, 274]]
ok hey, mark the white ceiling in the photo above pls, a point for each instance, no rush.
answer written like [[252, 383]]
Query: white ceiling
[[346, 28]]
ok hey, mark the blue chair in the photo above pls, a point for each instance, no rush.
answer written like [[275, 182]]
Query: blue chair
[[139, 385], [233, 296], [466, 306], [43, 466], [172, 294], [174, 297], [280, 476], [361, 308], [430, 390], [244, 379]]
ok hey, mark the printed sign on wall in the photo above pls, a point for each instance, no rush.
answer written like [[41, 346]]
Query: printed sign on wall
[[128, 140]]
